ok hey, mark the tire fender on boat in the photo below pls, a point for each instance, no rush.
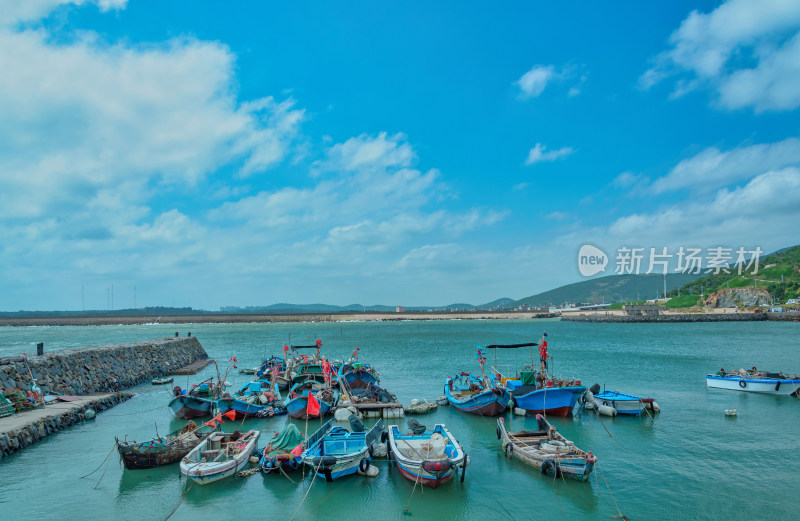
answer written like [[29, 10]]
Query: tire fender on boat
[[550, 464], [742, 384], [498, 432], [778, 385], [464, 468], [363, 466], [508, 450], [292, 464]]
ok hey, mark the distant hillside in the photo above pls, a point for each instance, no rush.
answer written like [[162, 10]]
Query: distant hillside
[[781, 278], [613, 288]]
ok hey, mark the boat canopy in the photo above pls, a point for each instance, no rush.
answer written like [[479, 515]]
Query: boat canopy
[[511, 346]]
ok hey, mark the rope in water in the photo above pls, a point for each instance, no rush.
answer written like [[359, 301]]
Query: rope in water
[[419, 471], [316, 472], [101, 464]]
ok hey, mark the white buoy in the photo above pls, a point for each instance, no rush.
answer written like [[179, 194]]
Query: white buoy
[[263, 399], [730, 412], [414, 402], [371, 472], [519, 411], [589, 406], [254, 460], [89, 414], [606, 410], [341, 415], [588, 396], [379, 450], [655, 407]]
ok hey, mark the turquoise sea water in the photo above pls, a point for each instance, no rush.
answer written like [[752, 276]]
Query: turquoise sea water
[[692, 462]]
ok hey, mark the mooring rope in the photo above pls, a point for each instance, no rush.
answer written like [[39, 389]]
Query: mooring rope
[[419, 471], [316, 472], [101, 464]]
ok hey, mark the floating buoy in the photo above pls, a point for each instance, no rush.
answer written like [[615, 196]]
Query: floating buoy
[[654, 407], [263, 399], [414, 402], [519, 411], [606, 410], [730, 412], [379, 450], [254, 460], [89, 414], [588, 396], [342, 415], [371, 471], [589, 406]]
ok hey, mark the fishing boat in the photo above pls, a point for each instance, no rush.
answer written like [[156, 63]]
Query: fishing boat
[[358, 375], [536, 390], [475, 395], [219, 456], [754, 381], [187, 407], [429, 459], [248, 409], [161, 450], [335, 452], [621, 402], [546, 450], [283, 451], [549, 396], [301, 407]]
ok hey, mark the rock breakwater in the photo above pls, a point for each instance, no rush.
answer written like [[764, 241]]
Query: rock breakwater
[[100, 369]]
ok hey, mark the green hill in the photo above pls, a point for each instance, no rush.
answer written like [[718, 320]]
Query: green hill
[[778, 273], [613, 288]]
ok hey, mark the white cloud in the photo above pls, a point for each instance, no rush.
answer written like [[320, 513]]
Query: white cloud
[[533, 82], [539, 154], [717, 50], [368, 153], [713, 168]]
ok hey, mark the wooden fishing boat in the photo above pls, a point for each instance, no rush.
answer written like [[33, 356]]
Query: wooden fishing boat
[[755, 381], [297, 406], [555, 398], [474, 395], [283, 452], [188, 407], [623, 403], [246, 409], [161, 450], [539, 392], [335, 452], [429, 459], [357, 375], [219, 456], [546, 450]]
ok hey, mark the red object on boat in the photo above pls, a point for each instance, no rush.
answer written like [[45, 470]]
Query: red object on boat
[[549, 384], [577, 382]]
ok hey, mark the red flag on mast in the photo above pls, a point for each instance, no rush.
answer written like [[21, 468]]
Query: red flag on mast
[[312, 408]]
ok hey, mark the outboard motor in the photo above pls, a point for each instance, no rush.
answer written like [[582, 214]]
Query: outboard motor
[[355, 424], [595, 388], [415, 426]]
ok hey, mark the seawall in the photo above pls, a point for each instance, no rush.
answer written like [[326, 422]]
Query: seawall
[[671, 317], [100, 369]]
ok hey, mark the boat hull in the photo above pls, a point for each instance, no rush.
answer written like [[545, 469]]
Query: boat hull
[[491, 402], [428, 472], [298, 408], [188, 407], [623, 403], [249, 410], [551, 401], [428, 479], [573, 463], [157, 452], [778, 386], [204, 473]]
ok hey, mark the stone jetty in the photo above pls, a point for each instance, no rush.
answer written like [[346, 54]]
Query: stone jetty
[[100, 369], [670, 317], [85, 372]]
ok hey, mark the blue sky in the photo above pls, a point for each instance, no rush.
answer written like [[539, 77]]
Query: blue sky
[[210, 154]]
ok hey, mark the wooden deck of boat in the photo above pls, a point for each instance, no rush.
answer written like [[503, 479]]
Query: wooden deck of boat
[[193, 368]]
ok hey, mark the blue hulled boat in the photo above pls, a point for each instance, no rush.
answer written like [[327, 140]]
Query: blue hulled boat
[[297, 406], [283, 451], [535, 399], [335, 452], [245, 409], [356, 375], [474, 395]]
